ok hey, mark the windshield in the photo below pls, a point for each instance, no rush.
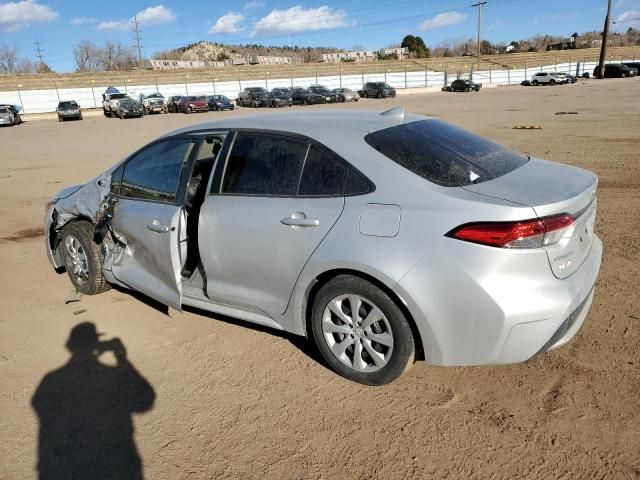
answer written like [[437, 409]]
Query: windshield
[[154, 95], [444, 154], [65, 105], [4, 110], [219, 98], [256, 90], [115, 96], [196, 99], [383, 85]]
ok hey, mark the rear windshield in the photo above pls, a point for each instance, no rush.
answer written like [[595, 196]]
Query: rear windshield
[[444, 154]]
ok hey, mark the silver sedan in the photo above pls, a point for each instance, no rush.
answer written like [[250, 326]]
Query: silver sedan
[[383, 237]]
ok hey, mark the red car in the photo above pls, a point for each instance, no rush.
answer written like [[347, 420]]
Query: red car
[[193, 104]]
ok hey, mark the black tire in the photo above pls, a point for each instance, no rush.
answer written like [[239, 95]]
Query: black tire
[[552, 82], [95, 282], [379, 95], [403, 352], [80, 118], [59, 119], [534, 83]]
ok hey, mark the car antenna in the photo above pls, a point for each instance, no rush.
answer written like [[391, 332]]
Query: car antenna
[[397, 112]]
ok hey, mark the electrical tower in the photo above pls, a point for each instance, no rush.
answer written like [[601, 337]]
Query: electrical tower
[[39, 53], [136, 30], [479, 5]]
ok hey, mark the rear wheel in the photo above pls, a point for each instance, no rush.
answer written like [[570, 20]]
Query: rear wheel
[[82, 258], [535, 82], [379, 95], [361, 332], [552, 82]]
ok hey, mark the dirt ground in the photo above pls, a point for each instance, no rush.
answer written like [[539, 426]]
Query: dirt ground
[[236, 401]]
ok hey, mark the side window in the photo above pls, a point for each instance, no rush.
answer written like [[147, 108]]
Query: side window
[[323, 174], [263, 164], [357, 184], [116, 179], [154, 173]]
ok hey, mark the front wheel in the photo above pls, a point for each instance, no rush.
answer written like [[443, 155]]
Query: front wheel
[[82, 258], [535, 83], [361, 332], [379, 95], [552, 82]]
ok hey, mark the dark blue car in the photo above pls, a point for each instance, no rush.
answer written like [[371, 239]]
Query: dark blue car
[[219, 102]]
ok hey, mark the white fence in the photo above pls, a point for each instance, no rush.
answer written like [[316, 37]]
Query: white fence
[[40, 101]]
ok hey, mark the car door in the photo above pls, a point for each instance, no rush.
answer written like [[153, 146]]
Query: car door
[[265, 218], [149, 220]]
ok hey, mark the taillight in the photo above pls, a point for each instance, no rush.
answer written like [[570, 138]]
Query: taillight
[[533, 233]]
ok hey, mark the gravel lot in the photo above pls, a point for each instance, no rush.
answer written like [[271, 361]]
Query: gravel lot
[[236, 401]]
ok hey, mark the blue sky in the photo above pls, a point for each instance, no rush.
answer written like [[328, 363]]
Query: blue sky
[[373, 24]]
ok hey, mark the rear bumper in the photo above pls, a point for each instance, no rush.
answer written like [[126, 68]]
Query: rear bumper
[[476, 305]]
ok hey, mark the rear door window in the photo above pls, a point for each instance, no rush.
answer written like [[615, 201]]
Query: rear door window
[[444, 154], [264, 164], [323, 175]]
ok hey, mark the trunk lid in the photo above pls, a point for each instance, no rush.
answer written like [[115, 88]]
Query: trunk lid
[[551, 188]]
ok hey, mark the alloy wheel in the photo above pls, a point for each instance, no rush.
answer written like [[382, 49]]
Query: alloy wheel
[[357, 333], [79, 263]]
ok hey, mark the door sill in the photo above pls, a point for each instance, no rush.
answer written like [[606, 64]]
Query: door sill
[[196, 298]]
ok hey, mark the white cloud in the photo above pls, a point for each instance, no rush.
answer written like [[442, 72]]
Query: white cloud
[[83, 20], [442, 20], [17, 15], [253, 4], [298, 19], [150, 16], [229, 23]]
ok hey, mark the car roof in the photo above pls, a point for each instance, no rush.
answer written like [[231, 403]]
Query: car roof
[[322, 125]]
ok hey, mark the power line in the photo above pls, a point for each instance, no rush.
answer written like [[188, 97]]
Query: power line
[[136, 29]]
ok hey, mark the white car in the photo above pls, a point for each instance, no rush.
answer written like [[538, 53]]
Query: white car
[[545, 78]]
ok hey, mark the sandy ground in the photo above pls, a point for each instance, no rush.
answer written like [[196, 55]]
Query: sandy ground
[[235, 401]]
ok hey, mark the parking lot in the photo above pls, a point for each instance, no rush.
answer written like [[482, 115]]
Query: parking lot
[[232, 400]]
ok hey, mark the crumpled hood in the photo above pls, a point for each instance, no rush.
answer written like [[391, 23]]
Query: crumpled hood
[[67, 192]]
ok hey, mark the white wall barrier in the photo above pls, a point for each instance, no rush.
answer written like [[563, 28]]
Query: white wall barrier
[[41, 101]]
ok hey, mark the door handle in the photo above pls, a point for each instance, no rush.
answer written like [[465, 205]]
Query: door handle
[[299, 219], [157, 227]]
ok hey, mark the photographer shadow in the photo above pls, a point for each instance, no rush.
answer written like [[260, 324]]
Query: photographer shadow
[[85, 410]]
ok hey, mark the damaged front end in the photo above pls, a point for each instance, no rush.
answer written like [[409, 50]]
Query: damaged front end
[[91, 202]]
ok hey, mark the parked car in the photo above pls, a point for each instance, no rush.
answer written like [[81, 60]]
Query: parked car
[[346, 95], [634, 66], [219, 102], [127, 108], [560, 78], [253, 97], [464, 85], [172, 103], [615, 70], [193, 103], [153, 102], [568, 77], [69, 110], [377, 90], [329, 96], [416, 236], [10, 115], [110, 99], [543, 78], [280, 97], [302, 96]]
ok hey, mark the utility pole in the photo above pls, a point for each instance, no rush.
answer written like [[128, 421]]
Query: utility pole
[[479, 5], [603, 47], [136, 29], [39, 53]]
